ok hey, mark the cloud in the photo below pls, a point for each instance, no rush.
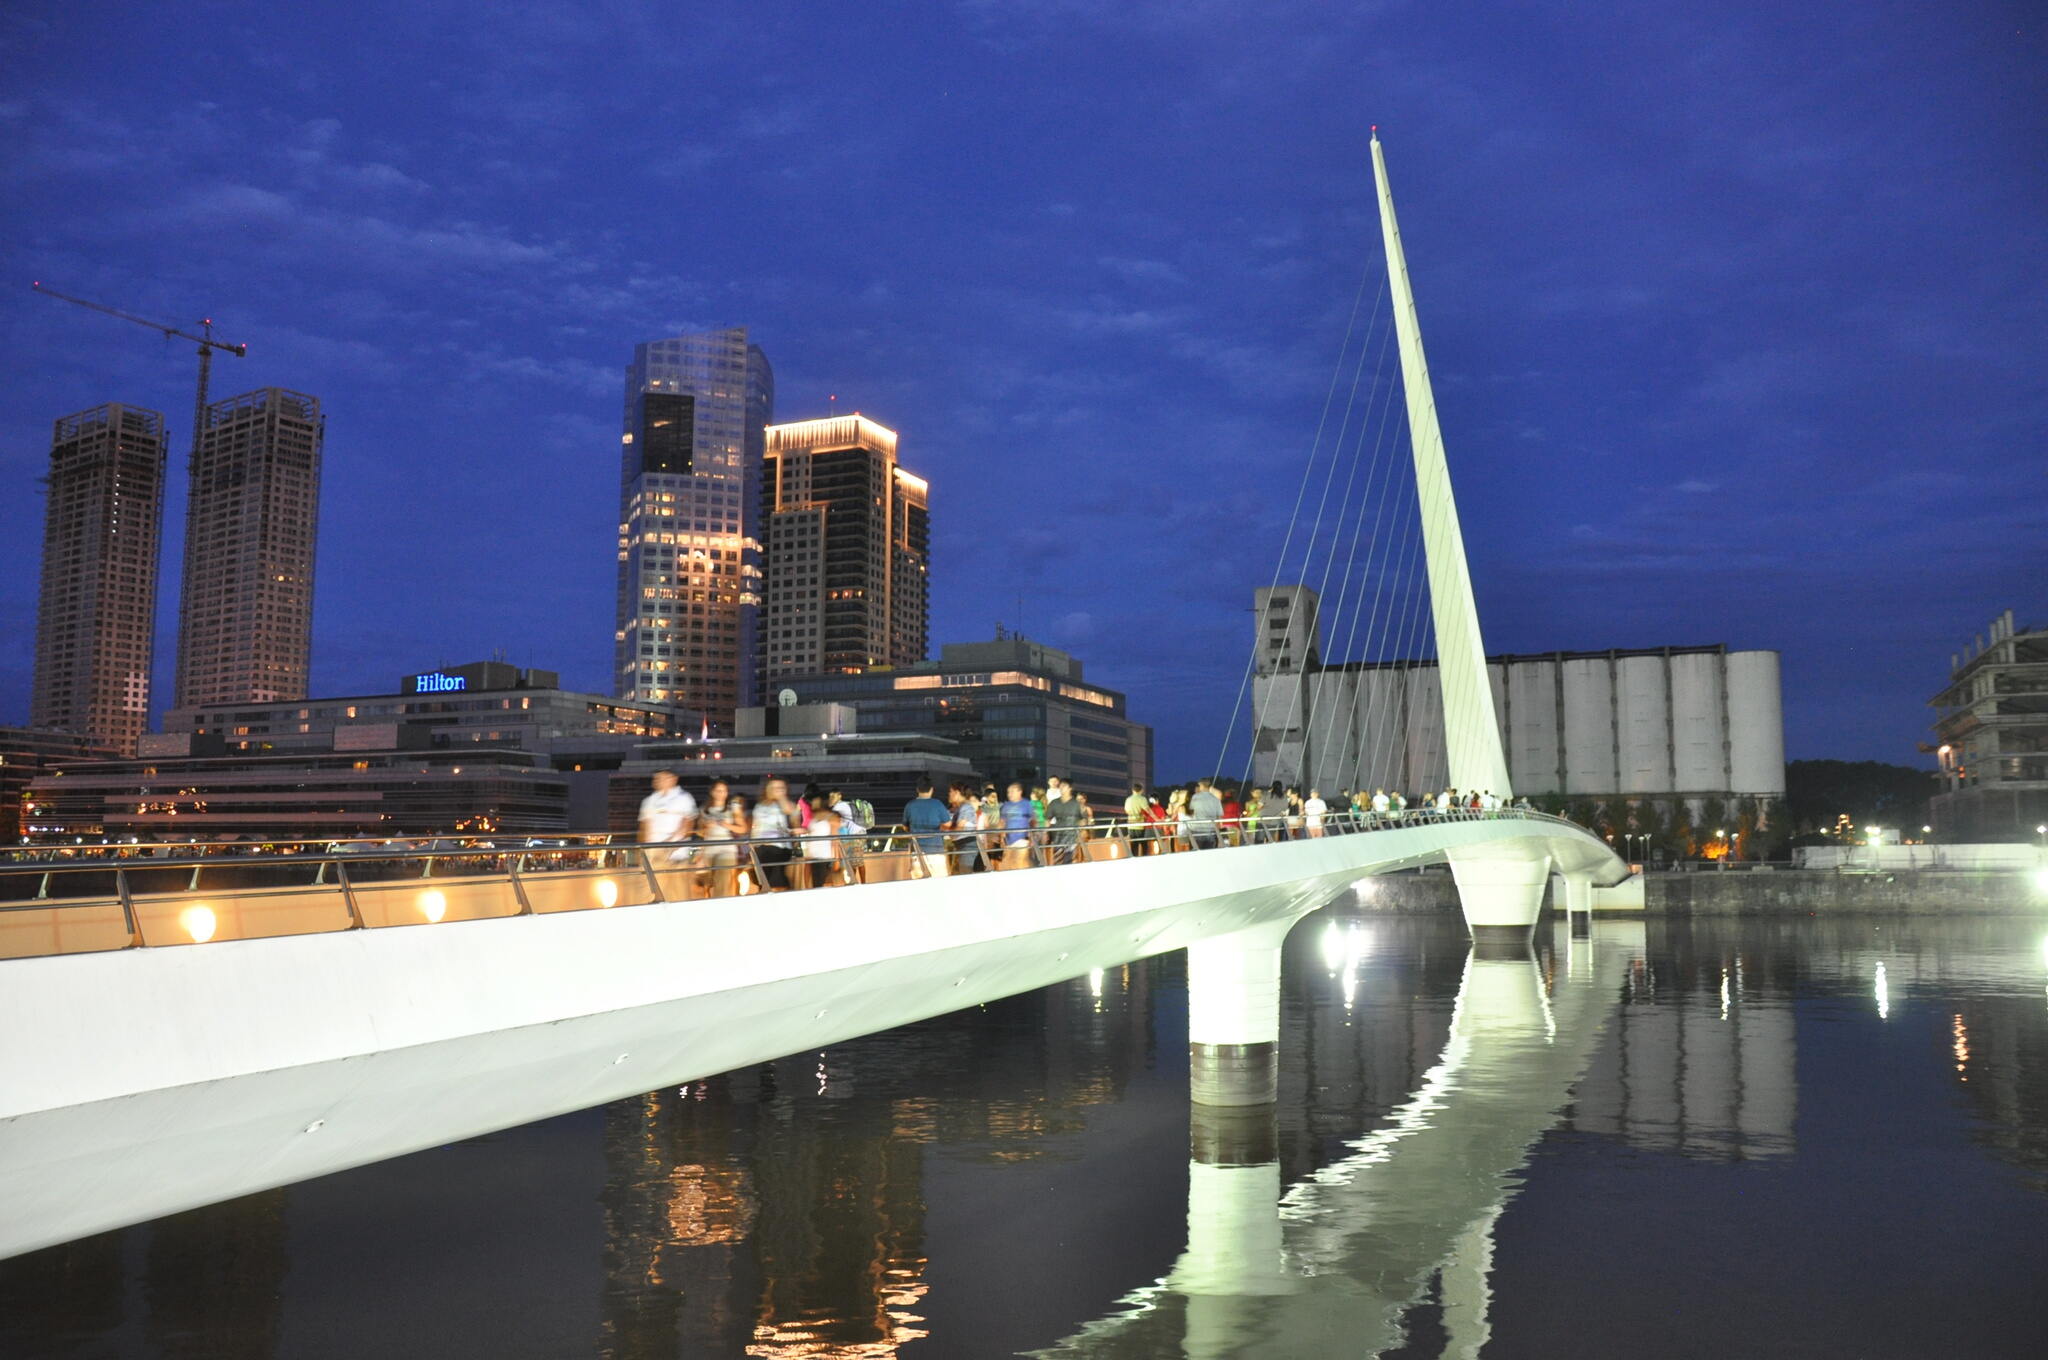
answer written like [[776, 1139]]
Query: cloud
[[1692, 486], [374, 175], [235, 204], [1153, 272], [331, 234]]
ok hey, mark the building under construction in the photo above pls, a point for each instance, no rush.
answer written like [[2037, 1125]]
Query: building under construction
[[245, 618], [96, 610], [1992, 723]]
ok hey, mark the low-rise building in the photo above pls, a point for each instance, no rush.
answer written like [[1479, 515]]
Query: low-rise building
[[26, 752], [1992, 725], [481, 704], [1019, 710], [810, 745], [483, 747], [298, 796]]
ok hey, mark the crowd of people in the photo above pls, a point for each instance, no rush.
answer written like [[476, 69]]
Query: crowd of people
[[821, 837]]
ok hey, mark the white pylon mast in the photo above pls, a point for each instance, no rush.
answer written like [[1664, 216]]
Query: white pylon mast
[[1471, 731]]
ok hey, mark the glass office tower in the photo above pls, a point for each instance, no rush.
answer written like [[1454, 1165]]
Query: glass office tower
[[697, 411]]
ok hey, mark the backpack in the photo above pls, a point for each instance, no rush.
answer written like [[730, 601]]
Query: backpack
[[864, 812]]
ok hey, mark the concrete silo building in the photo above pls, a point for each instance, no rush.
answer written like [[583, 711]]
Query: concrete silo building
[[1652, 723]]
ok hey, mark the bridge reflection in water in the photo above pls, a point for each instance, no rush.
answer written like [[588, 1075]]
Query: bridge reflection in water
[[849, 1202], [1334, 1263]]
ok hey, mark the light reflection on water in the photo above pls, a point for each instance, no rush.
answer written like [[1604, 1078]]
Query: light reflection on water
[[1709, 1137]]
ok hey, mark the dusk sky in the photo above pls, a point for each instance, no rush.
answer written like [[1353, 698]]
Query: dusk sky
[[1736, 312]]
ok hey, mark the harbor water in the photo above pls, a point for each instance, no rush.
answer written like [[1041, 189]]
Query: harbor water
[[1788, 1137]]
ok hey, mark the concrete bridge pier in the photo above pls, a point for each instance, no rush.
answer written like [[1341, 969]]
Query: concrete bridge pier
[[1501, 891], [1578, 903], [1234, 1016]]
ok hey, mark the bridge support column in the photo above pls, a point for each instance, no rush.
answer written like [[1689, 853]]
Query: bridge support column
[[1234, 1017], [1236, 1252], [1501, 893]]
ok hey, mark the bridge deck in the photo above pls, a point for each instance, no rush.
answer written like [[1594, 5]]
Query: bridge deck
[[85, 900], [201, 1073]]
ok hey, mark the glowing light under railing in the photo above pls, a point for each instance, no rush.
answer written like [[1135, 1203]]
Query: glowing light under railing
[[433, 904], [1724, 992], [607, 892], [2041, 880], [1095, 983], [1333, 948], [198, 923], [1884, 995]]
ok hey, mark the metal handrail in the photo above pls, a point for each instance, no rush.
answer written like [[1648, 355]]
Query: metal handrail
[[103, 852], [1270, 827], [1045, 846]]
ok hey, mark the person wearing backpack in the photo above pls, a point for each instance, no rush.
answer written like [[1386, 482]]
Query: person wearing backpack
[[853, 830]]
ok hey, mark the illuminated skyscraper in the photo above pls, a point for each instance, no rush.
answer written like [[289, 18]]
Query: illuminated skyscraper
[[96, 614], [245, 616], [689, 554], [847, 535]]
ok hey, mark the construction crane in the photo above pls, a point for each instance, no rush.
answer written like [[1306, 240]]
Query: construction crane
[[207, 345]]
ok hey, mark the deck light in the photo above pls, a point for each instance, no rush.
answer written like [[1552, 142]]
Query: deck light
[[199, 922], [433, 904], [606, 892]]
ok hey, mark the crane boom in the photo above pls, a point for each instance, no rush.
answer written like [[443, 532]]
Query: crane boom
[[168, 331], [207, 345]]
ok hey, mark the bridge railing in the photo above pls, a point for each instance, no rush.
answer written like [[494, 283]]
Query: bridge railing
[[81, 905]]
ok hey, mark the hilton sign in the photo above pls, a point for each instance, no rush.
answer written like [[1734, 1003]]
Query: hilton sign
[[436, 682]]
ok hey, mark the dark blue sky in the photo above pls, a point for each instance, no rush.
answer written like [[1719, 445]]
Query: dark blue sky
[[1737, 319]]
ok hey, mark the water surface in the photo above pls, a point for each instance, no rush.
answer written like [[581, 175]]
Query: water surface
[[1810, 1138]]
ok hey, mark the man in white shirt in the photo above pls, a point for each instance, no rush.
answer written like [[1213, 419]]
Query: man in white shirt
[[1312, 812], [667, 814]]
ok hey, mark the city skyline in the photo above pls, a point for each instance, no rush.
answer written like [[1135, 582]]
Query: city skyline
[[1800, 399]]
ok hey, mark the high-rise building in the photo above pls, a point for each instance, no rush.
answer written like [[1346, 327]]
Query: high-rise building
[[96, 615], [689, 553], [245, 617], [1992, 723], [846, 534]]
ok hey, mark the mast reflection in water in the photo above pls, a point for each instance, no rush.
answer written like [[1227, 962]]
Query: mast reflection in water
[[1670, 1138]]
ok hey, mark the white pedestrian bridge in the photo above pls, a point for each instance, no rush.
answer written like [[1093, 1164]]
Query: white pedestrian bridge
[[182, 1032], [177, 1033]]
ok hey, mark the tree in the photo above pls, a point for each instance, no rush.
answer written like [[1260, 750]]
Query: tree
[[1869, 792]]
